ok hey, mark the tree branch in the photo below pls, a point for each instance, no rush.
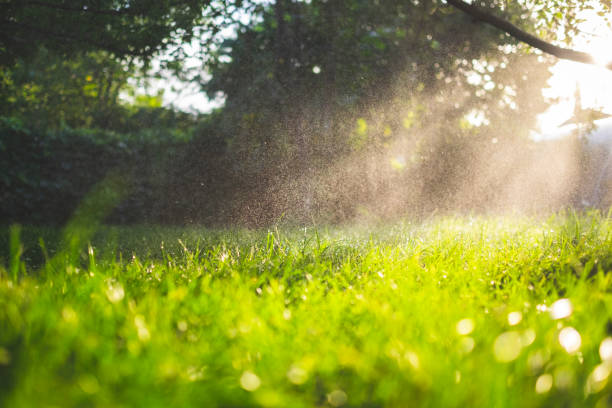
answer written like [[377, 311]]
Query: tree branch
[[509, 28]]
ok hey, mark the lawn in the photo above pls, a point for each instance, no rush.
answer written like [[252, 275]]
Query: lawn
[[506, 311]]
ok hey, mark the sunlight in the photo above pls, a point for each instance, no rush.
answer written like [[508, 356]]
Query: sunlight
[[599, 43], [601, 51], [570, 340], [594, 82]]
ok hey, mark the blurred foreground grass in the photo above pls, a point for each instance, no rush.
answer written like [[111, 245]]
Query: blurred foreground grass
[[488, 312]]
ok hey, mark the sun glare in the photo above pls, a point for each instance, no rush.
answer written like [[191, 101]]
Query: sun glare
[[594, 82], [601, 50]]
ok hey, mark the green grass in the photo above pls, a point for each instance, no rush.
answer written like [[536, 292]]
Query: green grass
[[452, 312]]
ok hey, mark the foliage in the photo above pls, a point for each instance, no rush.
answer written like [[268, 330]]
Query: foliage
[[124, 28], [49, 90], [298, 80], [45, 174], [455, 312], [309, 84]]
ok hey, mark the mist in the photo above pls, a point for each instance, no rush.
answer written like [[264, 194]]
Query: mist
[[332, 113]]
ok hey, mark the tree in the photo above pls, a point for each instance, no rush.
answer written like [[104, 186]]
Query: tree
[[521, 35], [49, 90], [346, 57], [139, 28], [310, 84]]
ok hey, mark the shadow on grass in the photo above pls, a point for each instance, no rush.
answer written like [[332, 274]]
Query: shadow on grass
[[28, 246]]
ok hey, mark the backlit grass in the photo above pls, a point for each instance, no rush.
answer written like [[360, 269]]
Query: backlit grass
[[453, 312]]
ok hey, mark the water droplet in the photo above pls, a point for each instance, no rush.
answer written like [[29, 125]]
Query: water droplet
[[570, 340], [114, 291], [598, 378], [536, 360], [249, 381], [297, 375], [337, 398], [528, 337], [316, 69], [601, 372], [286, 314], [195, 373], [141, 328], [507, 346], [467, 345], [69, 315], [605, 349], [544, 383], [465, 326], [413, 359], [560, 309], [514, 318]]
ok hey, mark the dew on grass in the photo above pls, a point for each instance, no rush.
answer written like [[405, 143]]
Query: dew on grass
[[601, 372], [507, 346], [249, 381], [467, 345], [605, 349], [465, 326], [69, 315], [598, 378], [562, 308], [537, 360], [337, 398], [286, 314], [114, 291], [297, 375], [195, 373], [544, 383], [141, 328], [413, 359], [514, 318], [570, 340], [528, 336]]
